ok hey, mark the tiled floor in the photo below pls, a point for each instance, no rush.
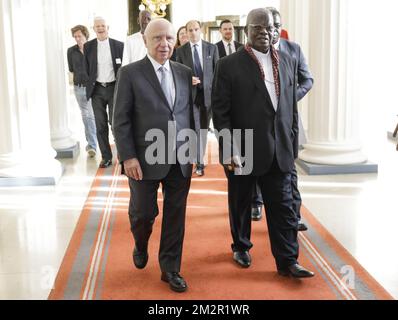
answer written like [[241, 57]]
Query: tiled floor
[[362, 213], [36, 224]]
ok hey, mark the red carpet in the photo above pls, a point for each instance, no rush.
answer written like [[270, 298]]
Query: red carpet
[[98, 262]]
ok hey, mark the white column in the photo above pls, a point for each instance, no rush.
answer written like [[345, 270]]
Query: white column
[[333, 129], [61, 136], [25, 149], [295, 19]]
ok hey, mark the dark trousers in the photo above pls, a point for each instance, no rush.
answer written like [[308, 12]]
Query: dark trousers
[[276, 188], [258, 199], [144, 210], [202, 116], [102, 101]]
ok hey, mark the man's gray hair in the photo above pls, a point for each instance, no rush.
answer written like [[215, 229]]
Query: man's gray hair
[[99, 18]]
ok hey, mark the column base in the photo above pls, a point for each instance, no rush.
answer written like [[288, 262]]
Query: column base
[[69, 153], [28, 182], [332, 154], [322, 169], [34, 174]]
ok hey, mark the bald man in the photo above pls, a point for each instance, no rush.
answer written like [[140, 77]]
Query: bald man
[[103, 57], [152, 94], [135, 48], [255, 89]]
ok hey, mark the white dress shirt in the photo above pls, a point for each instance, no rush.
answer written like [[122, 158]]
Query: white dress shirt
[[227, 47], [134, 49], [169, 74], [266, 62], [106, 73], [199, 48]]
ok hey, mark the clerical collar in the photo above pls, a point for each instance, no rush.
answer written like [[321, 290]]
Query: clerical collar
[[261, 54]]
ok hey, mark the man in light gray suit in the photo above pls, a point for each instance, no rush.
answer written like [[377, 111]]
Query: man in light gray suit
[[201, 56], [155, 93]]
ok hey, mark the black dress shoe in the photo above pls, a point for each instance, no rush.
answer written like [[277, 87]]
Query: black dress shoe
[[302, 227], [105, 164], [296, 271], [243, 258], [256, 213], [175, 281], [140, 259]]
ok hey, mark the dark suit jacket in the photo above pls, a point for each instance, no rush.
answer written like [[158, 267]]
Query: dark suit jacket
[[221, 48], [240, 100], [210, 58], [305, 81], [140, 105], [91, 59]]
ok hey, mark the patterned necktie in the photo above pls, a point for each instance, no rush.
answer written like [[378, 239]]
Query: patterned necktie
[[165, 84], [275, 67], [197, 65], [229, 49]]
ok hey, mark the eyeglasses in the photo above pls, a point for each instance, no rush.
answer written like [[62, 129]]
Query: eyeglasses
[[260, 27]]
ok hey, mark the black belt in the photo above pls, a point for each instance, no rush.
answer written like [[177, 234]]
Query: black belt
[[106, 84], [80, 85]]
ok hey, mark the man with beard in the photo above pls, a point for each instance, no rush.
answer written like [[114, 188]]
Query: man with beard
[[227, 46]]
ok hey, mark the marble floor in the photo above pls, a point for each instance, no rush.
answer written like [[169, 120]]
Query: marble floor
[[36, 223]]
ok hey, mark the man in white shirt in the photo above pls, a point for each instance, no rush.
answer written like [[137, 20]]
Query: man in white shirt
[[227, 46], [103, 58], [135, 48]]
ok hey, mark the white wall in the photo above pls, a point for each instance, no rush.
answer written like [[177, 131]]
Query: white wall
[[376, 67], [207, 10], [83, 12]]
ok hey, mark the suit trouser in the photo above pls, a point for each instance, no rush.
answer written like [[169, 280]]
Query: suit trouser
[[297, 201], [202, 116], [276, 188], [101, 99], [144, 210]]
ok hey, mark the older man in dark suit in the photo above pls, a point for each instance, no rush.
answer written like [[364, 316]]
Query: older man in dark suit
[[103, 57], [201, 56], [156, 94], [255, 89], [305, 82]]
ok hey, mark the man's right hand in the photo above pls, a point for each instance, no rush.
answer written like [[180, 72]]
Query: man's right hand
[[234, 164], [195, 81], [132, 169]]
